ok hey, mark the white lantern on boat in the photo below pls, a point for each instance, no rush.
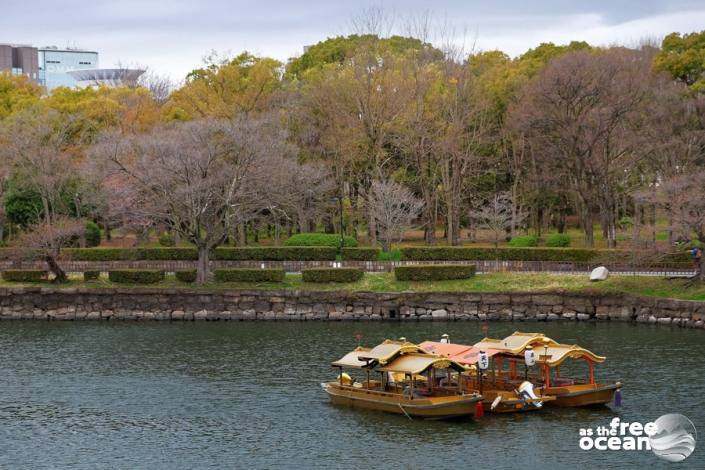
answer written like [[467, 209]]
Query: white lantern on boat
[[529, 356], [483, 361]]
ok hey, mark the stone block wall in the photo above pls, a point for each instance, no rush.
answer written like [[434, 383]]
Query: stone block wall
[[287, 305]]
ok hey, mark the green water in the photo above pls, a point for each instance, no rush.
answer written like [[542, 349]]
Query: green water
[[247, 395]]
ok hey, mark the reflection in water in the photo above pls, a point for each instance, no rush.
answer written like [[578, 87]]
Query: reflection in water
[[186, 395]]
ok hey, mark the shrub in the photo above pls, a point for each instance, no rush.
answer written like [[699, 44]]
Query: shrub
[[391, 255], [320, 239], [526, 240], [286, 253], [331, 274], [185, 275], [24, 275], [92, 234], [91, 275], [131, 254], [434, 272], [136, 276], [167, 239], [558, 240], [360, 254], [249, 275]]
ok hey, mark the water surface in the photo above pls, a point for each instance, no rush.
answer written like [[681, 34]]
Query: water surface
[[246, 395]]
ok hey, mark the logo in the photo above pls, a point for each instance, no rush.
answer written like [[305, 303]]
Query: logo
[[671, 437], [675, 437]]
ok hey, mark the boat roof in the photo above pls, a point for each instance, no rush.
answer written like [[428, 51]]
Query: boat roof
[[388, 350], [460, 353], [515, 343], [352, 359], [416, 363], [556, 353]]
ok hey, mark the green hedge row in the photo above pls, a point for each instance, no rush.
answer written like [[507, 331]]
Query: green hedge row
[[185, 275], [91, 275], [136, 276], [319, 239], [360, 254], [191, 254], [434, 272], [579, 255], [24, 275], [331, 274], [249, 275]]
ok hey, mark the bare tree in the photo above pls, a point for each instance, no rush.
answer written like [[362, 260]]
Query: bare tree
[[394, 208], [37, 143], [497, 214], [47, 238], [683, 199], [190, 176], [160, 86], [581, 111]]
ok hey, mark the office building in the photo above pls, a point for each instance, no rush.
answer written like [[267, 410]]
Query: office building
[[55, 63]]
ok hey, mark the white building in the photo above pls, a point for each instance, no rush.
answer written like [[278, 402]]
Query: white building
[[55, 63]]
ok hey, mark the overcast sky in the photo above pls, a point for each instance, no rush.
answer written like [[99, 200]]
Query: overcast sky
[[172, 36]]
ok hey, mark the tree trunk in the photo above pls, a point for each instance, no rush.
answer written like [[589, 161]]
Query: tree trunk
[[372, 227], [202, 270], [59, 274]]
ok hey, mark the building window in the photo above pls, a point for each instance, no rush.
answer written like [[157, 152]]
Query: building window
[[84, 63]]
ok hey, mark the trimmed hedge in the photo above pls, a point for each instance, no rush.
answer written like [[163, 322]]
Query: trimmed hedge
[[131, 254], [360, 254], [136, 276], [92, 234], [558, 240], [91, 275], [331, 274], [277, 253], [578, 255], [191, 254], [25, 275], [249, 275], [185, 275], [434, 272], [320, 239], [524, 241]]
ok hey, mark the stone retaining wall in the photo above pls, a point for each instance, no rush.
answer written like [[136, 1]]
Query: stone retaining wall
[[286, 305]]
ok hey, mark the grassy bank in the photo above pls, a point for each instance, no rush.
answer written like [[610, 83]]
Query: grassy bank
[[495, 282]]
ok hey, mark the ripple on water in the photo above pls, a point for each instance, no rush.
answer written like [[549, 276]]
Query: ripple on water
[[127, 395]]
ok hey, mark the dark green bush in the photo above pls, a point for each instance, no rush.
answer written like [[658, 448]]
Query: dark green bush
[[434, 272], [136, 276], [360, 254], [288, 253], [131, 254], [91, 275], [249, 275], [167, 239], [92, 234], [331, 274], [320, 239], [24, 275], [185, 275], [285, 253], [558, 240], [524, 241]]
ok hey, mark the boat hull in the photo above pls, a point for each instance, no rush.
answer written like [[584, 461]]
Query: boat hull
[[444, 407], [582, 395]]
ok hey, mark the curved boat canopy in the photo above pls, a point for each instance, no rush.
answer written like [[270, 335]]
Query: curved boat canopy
[[388, 350], [515, 343], [460, 353], [352, 360], [417, 363], [555, 354]]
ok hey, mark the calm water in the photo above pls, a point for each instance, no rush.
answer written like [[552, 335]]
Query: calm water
[[246, 395]]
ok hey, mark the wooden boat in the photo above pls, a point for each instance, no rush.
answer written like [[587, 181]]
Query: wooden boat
[[407, 383], [568, 391], [499, 395]]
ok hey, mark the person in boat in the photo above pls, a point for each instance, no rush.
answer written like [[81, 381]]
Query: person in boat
[[445, 339]]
